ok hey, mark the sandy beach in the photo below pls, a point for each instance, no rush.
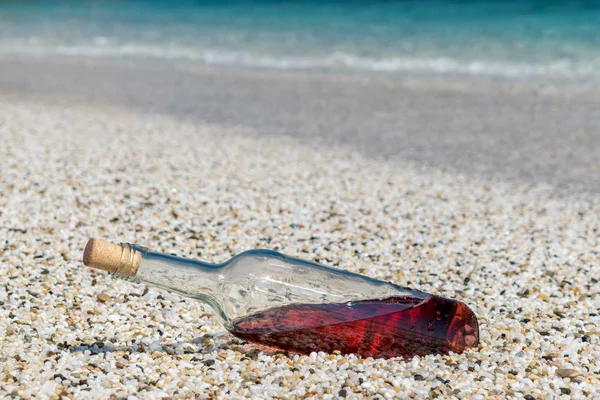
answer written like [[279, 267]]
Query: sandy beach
[[204, 182]]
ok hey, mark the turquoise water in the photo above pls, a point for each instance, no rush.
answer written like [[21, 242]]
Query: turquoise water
[[513, 40]]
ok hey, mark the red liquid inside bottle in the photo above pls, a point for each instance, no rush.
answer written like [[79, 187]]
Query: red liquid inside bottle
[[396, 326]]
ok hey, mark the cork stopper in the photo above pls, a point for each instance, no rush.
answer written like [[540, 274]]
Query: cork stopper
[[121, 258]]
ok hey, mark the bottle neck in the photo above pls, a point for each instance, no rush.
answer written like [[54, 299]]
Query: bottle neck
[[190, 278]]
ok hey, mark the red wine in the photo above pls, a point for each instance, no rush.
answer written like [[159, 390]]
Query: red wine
[[396, 326]]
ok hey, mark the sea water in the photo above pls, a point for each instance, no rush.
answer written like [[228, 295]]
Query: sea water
[[502, 39]]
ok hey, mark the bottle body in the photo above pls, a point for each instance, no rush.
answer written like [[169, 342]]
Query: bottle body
[[269, 298]]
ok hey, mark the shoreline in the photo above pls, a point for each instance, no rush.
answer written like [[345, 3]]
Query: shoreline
[[500, 131], [461, 83]]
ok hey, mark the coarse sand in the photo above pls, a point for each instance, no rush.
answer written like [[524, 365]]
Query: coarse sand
[[526, 259]]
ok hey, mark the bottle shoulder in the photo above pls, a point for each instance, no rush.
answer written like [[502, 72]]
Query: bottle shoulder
[[261, 253]]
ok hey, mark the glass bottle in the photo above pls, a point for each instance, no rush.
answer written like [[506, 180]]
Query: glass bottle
[[268, 298]]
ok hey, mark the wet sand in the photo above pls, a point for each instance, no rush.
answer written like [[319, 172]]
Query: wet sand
[[525, 133]]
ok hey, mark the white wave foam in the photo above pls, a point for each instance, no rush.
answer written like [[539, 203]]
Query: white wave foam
[[337, 60]]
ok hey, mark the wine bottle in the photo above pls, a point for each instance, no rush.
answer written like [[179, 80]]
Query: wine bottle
[[266, 297]]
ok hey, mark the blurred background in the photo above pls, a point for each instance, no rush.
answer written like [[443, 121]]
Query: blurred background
[[501, 39], [500, 88]]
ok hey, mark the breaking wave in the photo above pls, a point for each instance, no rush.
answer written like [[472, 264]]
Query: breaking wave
[[333, 61]]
